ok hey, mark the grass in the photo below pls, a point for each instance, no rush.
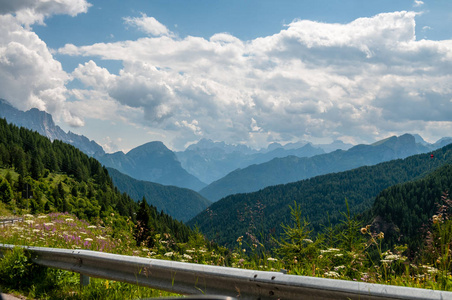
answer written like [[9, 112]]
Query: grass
[[356, 254]]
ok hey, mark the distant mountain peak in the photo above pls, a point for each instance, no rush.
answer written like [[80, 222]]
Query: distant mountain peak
[[42, 122], [152, 162], [150, 147], [208, 144]]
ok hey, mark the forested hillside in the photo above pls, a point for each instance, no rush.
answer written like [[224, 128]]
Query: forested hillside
[[37, 175], [404, 211], [321, 198], [182, 204]]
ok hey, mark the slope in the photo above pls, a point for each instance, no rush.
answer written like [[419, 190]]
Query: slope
[[37, 176], [401, 211], [182, 204], [321, 198]]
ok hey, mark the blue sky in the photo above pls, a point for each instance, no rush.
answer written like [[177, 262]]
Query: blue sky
[[128, 72]]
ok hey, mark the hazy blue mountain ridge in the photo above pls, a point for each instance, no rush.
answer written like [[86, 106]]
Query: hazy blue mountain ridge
[[211, 161], [293, 168]]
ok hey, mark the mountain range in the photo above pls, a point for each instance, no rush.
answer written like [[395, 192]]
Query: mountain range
[[321, 198], [210, 161], [229, 169], [294, 168]]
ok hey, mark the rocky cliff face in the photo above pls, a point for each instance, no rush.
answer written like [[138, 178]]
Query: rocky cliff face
[[43, 123]]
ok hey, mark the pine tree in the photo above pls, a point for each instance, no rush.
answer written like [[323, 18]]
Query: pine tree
[[6, 193], [143, 227]]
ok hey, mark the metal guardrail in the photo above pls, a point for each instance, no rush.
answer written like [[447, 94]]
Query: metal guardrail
[[196, 279], [7, 221]]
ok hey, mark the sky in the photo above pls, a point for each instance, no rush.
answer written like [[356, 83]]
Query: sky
[[252, 72]]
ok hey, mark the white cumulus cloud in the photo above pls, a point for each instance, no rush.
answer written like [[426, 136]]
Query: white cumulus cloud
[[29, 74], [367, 78], [148, 25]]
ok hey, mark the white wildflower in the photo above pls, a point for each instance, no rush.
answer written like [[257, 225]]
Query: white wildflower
[[392, 257], [331, 274], [272, 259]]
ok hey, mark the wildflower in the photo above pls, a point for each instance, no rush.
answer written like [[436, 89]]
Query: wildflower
[[437, 218], [88, 239], [42, 217], [364, 230], [169, 254], [49, 224], [69, 220], [29, 221], [430, 269], [36, 230], [339, 267], [308, 241], [240, 238], [381, 236], [101, 237], [145, 249], [331, 274], [92, 226], [187, 256], [329, 250], [28, 216], [392, 257], [272, 259]]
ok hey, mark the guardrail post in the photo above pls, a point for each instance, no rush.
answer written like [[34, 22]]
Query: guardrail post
[[84, 280]]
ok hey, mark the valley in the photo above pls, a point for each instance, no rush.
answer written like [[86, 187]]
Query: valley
[[377, 195]]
